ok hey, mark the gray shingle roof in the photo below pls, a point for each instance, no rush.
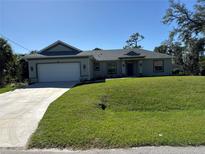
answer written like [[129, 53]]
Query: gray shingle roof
[[100, 55], [40, 56], [107, 55], [116, 54]]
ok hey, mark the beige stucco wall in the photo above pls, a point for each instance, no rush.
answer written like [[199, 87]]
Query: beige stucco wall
[[89, 72], [148, 70], [85, 73], [103, 69], [91, 69]]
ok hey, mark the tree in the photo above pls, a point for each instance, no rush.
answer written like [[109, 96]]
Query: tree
[[172, 48], [163, 48], [6, 57], [177, 51], [34, 52], [190, 29], [133, 41], [19, 70], [22, 73], [97, 48], [192, 58], [13, 68], [189, 24], [202, 65]]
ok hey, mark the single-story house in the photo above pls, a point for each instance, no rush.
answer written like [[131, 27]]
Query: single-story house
[[63, 62]]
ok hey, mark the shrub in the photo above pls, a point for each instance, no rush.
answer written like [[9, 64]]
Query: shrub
[[178, 71], [202, 67]]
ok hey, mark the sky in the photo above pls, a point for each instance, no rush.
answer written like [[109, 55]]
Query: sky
[[85, 24]]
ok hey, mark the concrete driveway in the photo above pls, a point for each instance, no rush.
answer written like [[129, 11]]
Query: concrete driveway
[[22, 109]]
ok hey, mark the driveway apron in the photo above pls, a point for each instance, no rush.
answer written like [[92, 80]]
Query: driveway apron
[[22, 109]]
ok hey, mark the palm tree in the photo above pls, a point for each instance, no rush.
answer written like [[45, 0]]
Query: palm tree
[[6, 56]]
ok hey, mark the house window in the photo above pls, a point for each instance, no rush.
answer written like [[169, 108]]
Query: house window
[[112, 68], [158, 66], [97, 66]]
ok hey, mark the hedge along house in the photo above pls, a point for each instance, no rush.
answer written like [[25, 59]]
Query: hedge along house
[[62, 62]]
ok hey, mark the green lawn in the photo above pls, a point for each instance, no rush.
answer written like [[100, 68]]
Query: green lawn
[[6, 89], [140, 111]]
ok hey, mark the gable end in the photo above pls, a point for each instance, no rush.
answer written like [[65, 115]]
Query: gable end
[[59, 48]]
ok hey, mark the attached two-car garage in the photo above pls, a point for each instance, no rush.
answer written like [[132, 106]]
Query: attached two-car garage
[[59, 62], [53, 72]]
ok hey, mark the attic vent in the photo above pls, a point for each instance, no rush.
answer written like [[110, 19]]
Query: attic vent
[[132, 53]]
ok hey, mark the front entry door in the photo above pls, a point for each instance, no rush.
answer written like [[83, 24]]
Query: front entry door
[[130, 69]]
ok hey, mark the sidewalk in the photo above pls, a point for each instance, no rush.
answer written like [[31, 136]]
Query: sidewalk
[[138, 150]]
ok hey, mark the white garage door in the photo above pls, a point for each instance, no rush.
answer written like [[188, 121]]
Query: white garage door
[[58, 72]]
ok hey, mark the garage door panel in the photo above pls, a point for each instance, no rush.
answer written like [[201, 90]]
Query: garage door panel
[[58, 72]]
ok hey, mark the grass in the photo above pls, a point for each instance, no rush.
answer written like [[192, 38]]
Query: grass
[[6, 89], [140, 111], [13, 86]]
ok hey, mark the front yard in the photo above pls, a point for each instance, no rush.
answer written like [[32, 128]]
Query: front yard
[[6, 89], [140, 111]]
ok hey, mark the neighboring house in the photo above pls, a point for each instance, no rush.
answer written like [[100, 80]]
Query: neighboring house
[[62, 62]]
